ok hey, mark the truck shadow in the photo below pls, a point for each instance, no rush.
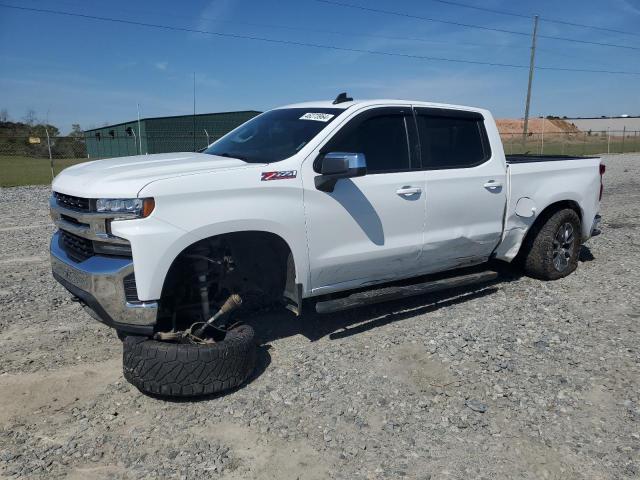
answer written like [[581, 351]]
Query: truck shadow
[[314, 326], [356, 203], [585, 254], [276, 325]]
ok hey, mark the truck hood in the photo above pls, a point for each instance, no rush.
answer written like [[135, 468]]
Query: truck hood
[[124, 177]]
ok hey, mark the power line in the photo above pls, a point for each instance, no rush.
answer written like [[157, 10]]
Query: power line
[[482, 9], [419, 17], [371, 35], [352, 33], [349, 33], [470, 25], [546, 19], [361, 34], [301, 44], [457, 4]]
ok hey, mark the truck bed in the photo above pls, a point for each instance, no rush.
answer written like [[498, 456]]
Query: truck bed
[[541, 180], [522, 158]]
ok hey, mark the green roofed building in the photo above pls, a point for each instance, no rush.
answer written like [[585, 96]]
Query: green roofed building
[[162, 134]]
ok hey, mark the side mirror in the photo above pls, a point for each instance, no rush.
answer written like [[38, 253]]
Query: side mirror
[[337, 165]]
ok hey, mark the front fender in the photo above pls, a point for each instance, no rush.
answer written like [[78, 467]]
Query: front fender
[[195, 207]]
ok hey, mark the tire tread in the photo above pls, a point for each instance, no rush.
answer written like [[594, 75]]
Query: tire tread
[[186, 370], [538, 261]]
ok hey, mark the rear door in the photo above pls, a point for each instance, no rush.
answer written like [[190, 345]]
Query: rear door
[[369, 229], [465, 189]]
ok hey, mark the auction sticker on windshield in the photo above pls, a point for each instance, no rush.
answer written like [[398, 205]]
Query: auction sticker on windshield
[[318, 117]]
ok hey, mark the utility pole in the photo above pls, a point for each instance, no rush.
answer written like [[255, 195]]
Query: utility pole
[[531, 68]]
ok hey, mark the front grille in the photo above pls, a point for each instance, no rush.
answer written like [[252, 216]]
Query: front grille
[[78, 248], [130, 289], [73, 203]]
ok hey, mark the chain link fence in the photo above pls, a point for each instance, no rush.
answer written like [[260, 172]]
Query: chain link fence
[[28, 160], [92, 148], [35, 160], [107, 146], [42, 147], [572, 143]]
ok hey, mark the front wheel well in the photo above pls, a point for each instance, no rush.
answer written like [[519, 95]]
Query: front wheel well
[[256, 265]]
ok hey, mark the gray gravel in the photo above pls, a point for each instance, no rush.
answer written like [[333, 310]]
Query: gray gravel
[[521, 379]]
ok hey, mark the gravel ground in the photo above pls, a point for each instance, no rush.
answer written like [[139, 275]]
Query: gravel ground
[[521, 379]]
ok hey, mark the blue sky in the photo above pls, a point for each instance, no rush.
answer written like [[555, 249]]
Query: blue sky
[[91, 72]]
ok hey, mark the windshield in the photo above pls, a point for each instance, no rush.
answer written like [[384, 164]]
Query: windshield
[[274, 135]]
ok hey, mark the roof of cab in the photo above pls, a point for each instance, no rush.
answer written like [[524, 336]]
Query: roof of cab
[[382, 102]]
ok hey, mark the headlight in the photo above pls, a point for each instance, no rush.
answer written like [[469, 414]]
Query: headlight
[[130, 207]]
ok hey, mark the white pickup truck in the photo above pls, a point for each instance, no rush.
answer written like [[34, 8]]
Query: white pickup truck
[[325, 200]]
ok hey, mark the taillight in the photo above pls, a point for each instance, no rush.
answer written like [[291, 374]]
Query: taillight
[[602, 170]]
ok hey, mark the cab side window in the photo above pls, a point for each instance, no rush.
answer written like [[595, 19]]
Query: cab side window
[[452, 141], [382, 137]]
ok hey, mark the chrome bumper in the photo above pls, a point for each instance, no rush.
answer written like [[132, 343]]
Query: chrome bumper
[[98, 283]]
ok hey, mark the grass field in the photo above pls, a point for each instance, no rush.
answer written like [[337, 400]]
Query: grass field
[[16, 171]]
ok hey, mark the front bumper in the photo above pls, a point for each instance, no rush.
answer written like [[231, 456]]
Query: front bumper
[[98, 283]]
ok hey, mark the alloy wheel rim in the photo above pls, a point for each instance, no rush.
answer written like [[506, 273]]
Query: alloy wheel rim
[[563, 246]]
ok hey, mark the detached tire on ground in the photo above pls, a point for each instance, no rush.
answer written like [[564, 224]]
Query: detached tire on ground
[[188, 370], [553, 246]]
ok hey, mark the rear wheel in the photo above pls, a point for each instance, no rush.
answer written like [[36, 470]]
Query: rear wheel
[[553, 246]]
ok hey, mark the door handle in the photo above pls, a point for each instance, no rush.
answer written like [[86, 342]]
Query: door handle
[[408, 191], [493, 184]]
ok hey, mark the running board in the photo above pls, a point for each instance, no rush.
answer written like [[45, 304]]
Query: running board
[[385, 294]]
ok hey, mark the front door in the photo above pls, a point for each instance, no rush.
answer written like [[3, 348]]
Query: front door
[[370, 228]]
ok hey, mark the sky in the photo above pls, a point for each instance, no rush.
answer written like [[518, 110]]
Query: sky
[[80, 70]]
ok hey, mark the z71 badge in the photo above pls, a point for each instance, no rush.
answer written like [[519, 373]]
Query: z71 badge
[[284, 175]]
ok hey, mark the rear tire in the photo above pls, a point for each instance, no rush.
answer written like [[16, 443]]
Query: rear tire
[[552, 248], [189, 370]]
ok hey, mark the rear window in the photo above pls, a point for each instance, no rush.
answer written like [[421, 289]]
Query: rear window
[[452, 142]]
